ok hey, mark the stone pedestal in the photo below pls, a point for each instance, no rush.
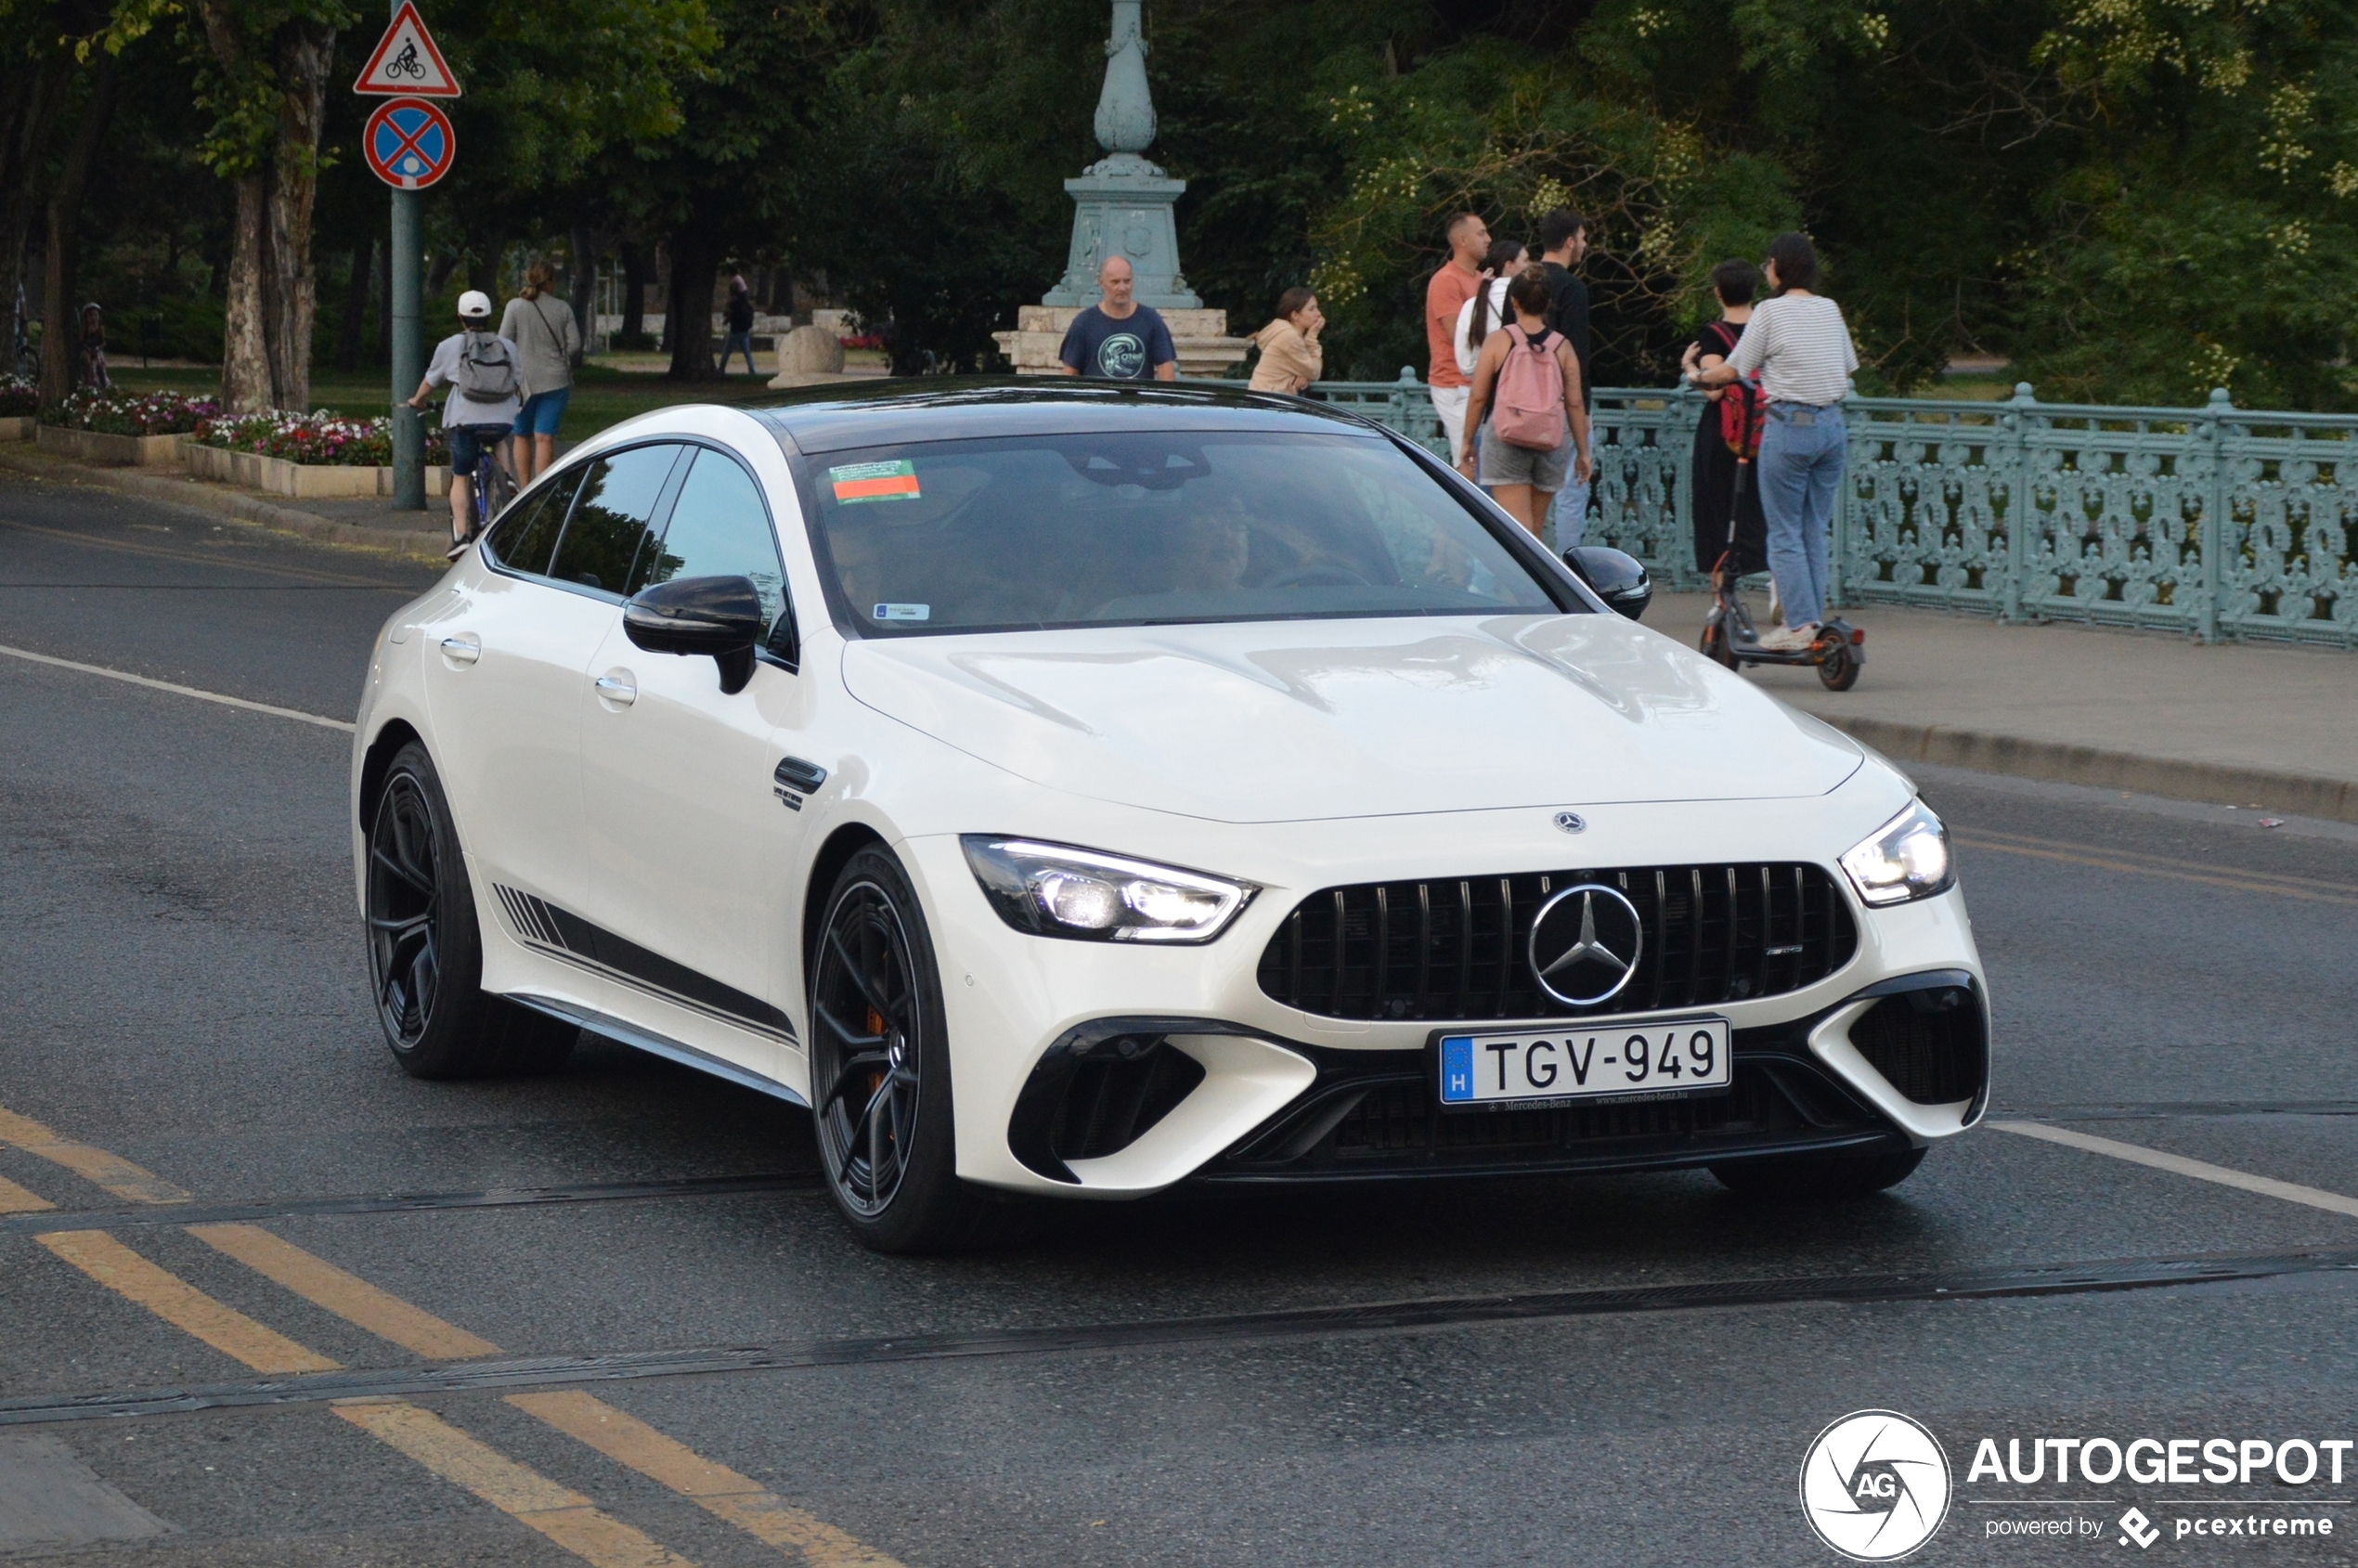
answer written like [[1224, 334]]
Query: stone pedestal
[[809, 356], [1200, 336]]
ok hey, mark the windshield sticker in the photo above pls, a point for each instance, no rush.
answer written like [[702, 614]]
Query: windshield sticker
[[876, 482], [900, 611]]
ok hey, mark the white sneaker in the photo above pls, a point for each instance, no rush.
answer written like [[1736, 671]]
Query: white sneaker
[[1790, 638]]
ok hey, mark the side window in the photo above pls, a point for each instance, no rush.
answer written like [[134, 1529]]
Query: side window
[[720, 528], [610, 520], [525, 539]]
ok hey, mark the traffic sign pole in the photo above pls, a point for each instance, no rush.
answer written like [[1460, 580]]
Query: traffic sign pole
[[408, 354]]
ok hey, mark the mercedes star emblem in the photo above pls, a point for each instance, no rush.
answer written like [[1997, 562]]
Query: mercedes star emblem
[[1585, 944], [1572, 822]]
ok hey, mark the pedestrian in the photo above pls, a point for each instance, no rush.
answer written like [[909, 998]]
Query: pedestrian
[[1453, 284], [1563, 240], [738, 317], [547, 338], [1801, 348], [1290, 357], [1524, 398], [1488, 307], [1731, 408], [94, 347], [488, 386], [1117, 338]]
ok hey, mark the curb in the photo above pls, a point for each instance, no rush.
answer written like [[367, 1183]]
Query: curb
[[236, 506], [2307, 794]]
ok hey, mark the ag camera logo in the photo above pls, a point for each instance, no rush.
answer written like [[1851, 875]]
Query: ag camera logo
[[1875, 1485]]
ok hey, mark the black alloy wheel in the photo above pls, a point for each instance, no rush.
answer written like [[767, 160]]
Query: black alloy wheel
[[425, 951], [880, 1070]]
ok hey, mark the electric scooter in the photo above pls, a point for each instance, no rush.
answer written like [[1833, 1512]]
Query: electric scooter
[[1839, 651]]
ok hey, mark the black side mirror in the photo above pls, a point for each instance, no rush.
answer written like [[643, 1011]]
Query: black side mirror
[[716, 616], [1617, 578]]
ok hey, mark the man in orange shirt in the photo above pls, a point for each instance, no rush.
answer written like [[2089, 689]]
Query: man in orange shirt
[[1453, 284]]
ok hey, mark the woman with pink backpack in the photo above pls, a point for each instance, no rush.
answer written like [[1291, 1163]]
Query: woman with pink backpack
[[1527, 381]]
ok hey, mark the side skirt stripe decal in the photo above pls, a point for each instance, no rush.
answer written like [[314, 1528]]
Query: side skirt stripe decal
[[565, 935]]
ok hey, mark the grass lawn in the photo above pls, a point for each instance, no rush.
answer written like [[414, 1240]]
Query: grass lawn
[[600, 397]]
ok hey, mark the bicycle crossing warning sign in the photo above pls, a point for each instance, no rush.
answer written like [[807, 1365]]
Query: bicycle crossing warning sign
[[406, 63]]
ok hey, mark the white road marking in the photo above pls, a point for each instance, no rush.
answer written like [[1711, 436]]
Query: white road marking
[[300, 716], [2178, 1164]]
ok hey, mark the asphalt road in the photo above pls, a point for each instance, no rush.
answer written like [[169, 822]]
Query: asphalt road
[[1616, 1371]]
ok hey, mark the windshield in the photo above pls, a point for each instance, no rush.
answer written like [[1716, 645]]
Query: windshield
[[1145, 527]]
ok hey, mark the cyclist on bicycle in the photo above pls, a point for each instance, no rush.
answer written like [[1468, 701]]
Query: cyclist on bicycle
[[488, 390]]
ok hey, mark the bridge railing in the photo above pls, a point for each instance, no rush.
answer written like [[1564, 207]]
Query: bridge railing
[[2221, 521]]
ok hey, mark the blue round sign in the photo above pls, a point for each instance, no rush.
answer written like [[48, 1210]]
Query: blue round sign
[[408, 143]]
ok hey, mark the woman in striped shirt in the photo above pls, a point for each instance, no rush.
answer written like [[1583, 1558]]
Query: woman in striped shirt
[[1797, 344]]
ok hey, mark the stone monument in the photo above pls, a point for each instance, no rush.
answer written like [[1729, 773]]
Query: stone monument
[[1122, 205]]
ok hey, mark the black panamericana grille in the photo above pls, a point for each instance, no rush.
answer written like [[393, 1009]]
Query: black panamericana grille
[[1458, 950]]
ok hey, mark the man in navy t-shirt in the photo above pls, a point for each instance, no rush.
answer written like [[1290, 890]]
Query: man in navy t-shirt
[[1119, 338]]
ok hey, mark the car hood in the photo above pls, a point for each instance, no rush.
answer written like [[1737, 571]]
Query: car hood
[[1294, 720]]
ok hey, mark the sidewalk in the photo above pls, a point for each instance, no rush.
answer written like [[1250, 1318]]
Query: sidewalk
[[2247, 724], [366, 524]]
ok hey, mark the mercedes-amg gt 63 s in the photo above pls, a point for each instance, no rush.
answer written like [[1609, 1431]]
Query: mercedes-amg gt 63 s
[[1080, 789]]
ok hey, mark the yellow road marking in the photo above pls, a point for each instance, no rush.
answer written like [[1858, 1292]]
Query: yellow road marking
[[15, 1200], [349, 1297], [180, 1304], [2156, 865], [116, 1174], [2201, 1171], [563, 1515], [740, 1499]]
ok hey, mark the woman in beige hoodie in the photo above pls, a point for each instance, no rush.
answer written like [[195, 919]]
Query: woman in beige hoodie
[[1290, 357]]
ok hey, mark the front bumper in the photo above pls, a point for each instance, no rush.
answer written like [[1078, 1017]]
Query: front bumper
[[1248, 1090]]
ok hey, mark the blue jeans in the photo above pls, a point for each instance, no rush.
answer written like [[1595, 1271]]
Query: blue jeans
[[1799, 472], [543, 412], [738, 341], [1568, 514]]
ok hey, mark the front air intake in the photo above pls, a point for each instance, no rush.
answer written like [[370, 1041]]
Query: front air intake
[[1933, 1045]]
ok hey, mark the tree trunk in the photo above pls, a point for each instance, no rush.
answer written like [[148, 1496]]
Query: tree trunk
[[306, 53], [482, 265], [585, 283], [61, 334], [634, 292], [356, 307], [245, 354], [687, 315], [23, 157]]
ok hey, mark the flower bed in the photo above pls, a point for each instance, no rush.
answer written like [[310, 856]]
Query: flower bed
[[18, 398], [122, 413], [316, 439]]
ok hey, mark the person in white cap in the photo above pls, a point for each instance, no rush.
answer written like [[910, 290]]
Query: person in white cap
[[488, 390]]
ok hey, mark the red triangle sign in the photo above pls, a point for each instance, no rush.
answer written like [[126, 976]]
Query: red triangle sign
[[406, 62]]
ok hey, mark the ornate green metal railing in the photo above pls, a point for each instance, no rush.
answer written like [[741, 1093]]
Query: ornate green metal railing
[[2221, 521]]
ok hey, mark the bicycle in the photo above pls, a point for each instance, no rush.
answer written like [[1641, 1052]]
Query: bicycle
[[491, 486]]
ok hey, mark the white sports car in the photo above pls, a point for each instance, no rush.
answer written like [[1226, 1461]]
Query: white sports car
[[1077, 789]]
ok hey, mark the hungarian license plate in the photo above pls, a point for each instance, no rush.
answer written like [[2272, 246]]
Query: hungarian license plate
[[1597, 1060]]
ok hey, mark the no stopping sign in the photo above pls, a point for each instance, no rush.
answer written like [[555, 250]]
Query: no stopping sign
[[408, 143]]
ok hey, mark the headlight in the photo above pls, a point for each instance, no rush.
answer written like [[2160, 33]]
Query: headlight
[[1908, 858], [1056, 891]]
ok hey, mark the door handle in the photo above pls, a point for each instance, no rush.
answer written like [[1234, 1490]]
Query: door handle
[[617, 689], [465, 648]]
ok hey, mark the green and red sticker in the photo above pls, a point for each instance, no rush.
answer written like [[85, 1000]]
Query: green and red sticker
[[876, 482]]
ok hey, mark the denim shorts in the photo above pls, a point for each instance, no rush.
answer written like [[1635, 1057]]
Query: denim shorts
[[543, 413], [468, 443], [1503, 462]]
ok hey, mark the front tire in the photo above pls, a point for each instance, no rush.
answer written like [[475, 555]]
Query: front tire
[[1818, 1178], [880, 1070], [425, 950]]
